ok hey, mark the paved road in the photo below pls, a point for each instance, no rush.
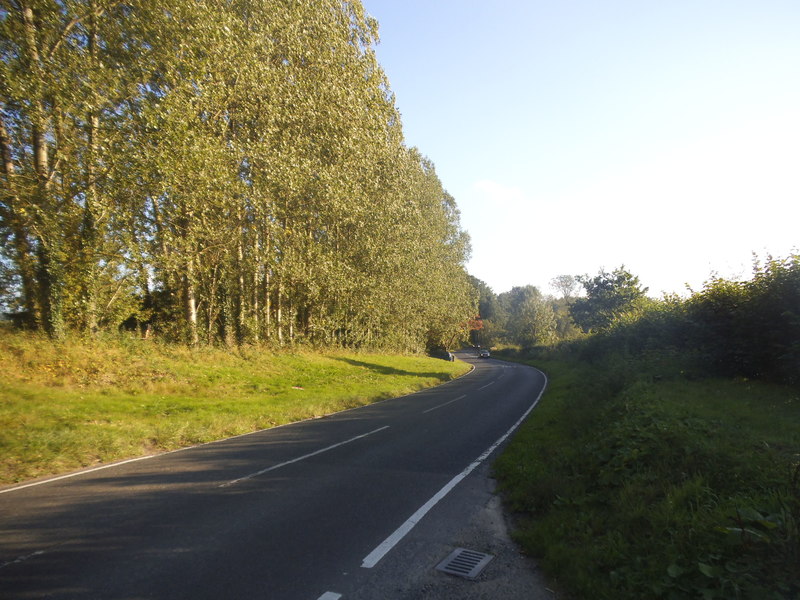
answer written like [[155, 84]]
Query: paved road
[[307, 511]]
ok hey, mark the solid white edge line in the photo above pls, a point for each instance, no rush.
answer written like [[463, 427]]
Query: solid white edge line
[[68, 475], [390, 542], [445, 404], [330, 596], [299, 458]]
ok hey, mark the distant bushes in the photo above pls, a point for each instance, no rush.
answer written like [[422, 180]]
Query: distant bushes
[[657, 466], [731, 328]]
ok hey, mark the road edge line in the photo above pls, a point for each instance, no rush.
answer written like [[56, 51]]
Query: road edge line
[[382, 549]]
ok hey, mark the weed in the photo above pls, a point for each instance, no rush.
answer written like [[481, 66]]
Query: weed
[[659, 487]]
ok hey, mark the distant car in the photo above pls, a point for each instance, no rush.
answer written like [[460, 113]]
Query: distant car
[[443, 354], [484, 354]]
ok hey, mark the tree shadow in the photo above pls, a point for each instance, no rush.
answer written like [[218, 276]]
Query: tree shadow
[[385, 370]]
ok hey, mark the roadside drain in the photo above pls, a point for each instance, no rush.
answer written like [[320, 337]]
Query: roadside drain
[[464, 563]]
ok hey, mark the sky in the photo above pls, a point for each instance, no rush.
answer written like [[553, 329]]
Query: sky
[[584, 135]]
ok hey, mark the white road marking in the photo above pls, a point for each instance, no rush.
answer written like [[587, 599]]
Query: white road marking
[[330, 596], [22, 558], [390, 542], [487, 385], [149, 456], [445, 404], [67, 476], [299, 458]]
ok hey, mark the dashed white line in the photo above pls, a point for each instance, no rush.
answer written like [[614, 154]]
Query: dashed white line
[[487, 385], [445, 404], [330, 596], [22, 558], [299, 458], [390, 542]]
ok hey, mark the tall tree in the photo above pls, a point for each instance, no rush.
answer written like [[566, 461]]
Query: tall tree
[[235, 168], [530, 319], [608, 296], [567, 285]]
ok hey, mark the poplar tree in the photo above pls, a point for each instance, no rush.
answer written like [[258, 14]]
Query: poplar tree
[[230, 171]]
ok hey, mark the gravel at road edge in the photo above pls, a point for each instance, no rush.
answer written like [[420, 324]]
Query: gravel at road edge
[[473, 519]]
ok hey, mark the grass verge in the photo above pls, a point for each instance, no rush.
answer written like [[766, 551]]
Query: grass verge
[[80, 403], [658, 488]]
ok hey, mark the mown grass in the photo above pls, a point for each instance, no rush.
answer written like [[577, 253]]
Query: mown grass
[[659, 488], [82, 402]]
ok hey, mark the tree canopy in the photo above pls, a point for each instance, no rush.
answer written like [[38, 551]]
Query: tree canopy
[[220, 171], [608, 296]]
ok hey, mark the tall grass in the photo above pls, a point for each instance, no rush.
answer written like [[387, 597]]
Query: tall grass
[[659, 487], [83, 402]]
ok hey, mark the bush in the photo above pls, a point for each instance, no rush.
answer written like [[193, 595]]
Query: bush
[[666, 489]]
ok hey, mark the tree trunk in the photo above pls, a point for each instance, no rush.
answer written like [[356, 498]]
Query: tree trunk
[[190, 304], [51, 284], [49, 250], [256, 323], [279, 313], [241, 305], [21, 247], [267, 291], [267, 305], [89, 235]]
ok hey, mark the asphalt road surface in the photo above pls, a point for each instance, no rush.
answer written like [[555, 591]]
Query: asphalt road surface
[[309, 511]]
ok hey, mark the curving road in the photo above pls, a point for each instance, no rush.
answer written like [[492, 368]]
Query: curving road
[[308, 511]]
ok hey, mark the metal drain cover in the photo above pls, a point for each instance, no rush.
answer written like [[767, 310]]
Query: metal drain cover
[[464, 563]]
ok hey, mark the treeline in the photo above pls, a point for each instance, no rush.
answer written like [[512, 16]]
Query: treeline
[[747, 329], [663, 461], [524, 316], [729, 328], [220, 171]]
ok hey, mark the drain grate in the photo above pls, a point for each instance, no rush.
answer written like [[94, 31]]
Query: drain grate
[[464, 563]]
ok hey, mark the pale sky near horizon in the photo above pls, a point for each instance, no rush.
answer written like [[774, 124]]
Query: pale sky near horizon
[[580, 135]]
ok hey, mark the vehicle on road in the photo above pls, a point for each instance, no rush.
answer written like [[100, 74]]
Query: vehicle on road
[[484, 354]]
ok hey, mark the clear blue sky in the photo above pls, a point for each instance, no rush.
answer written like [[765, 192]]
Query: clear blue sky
[[579, 135]]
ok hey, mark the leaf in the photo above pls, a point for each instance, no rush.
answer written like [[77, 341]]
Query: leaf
[[675, 571], [708, 570]]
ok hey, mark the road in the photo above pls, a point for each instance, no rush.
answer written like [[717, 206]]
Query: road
[[307, 511]]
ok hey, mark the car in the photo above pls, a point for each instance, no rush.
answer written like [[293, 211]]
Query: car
[[443, 354], [484, 354]]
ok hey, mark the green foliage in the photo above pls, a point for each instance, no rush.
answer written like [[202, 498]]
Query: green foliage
[[530, 320], [666, 489], [751, 328], [662, 462], [608, 297], [241, 161], [730, 328], [523, 316]]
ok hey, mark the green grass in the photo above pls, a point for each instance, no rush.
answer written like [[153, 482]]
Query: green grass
[[81, 402], [656, 488]]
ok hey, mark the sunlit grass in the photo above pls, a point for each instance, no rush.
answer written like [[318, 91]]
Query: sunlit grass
[[86, 402], [659, 488]]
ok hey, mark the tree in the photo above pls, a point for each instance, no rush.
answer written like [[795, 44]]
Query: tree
[[229, 171], [566, 284], [530, 317], [489, 312], [608, 296]]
